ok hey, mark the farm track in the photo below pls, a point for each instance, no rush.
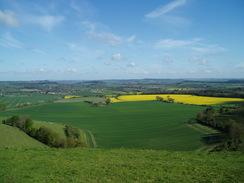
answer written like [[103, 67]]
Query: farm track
[[93, 139], [201, 149], [197, 129]]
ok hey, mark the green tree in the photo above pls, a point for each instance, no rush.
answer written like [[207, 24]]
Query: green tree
[[45, 135], [71, 132], [2, 107], [235, 130], [170, 100], [158, 98], [108, 101], [200, 117]]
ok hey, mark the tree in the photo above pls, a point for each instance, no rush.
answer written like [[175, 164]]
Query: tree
[[200, 117], [71, 132], [235, 130], [108, 101], [45, 135], [170, 100], [158, 98], [28, 126], [2, 107]]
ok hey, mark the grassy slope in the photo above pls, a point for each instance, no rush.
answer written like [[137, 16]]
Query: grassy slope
[[148, 124], [13, 137], [118, 165]]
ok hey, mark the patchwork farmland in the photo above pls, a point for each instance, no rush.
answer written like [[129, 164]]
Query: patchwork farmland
[[146, 124], [129, 138], [20, 100]]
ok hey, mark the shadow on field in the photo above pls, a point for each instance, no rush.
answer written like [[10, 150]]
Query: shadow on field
[[213, 138]]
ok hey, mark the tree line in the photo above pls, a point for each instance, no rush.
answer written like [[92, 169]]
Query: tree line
[[226, 92], [45, 134], [229, 121], [167, 99]]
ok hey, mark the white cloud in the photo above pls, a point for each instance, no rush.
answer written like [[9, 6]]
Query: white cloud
[[35, 49], [198, 60], [88, 52], [8, 41], [208, 49], [132, 64], [107, 63], [48, 22], [208, 71], [69, 60], [75, 47], [165, 9], [70, 70], [118, 57], [83, 7], [41, 70], [167, 60], [75, 6], [131, 39], [170, 43], [106, 38], [240, 66], [8, 18]]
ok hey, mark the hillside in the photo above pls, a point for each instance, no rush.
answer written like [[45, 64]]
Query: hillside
[[13, 137], [118, 165]]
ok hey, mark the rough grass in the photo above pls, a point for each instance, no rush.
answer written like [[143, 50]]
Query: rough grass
[[13, 137], [118, 165], [147, 124]]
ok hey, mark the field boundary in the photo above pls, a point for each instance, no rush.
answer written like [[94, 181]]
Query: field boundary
[[93, 139], [198, 129]]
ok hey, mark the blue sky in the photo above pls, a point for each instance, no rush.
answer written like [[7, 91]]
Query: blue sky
[[121, 39]]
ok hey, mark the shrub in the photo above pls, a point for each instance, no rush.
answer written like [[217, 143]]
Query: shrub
[[71, 132]]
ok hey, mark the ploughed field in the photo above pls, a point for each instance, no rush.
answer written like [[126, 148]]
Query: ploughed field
[[143, 124]]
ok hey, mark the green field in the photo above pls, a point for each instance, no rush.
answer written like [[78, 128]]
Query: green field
[[151, 125], [13, 137], [19, 99], [118, 165], [82, 99]]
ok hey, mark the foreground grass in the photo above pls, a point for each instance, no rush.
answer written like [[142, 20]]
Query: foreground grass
[[118, 165]]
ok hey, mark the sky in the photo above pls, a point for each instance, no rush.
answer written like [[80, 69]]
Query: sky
[[121, 39]]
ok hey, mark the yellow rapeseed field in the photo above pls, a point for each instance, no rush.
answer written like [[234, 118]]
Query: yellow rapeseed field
[[71, 96], [186, 99]]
